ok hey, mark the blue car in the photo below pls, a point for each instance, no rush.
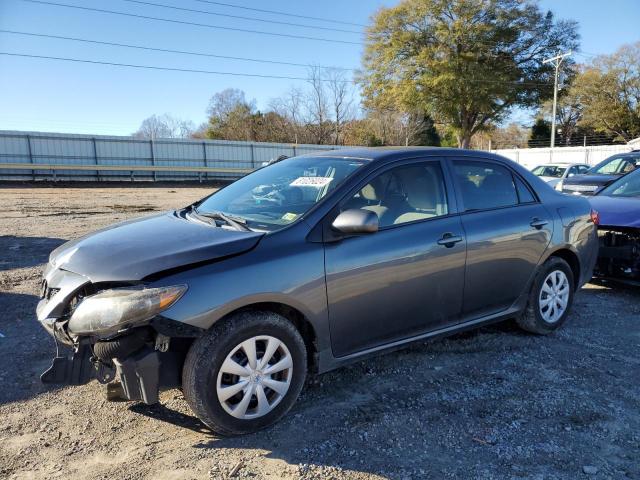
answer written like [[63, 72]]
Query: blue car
[[618, 207]]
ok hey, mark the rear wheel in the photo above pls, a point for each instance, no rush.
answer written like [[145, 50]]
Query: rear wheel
[[245, 373], [550, 298]]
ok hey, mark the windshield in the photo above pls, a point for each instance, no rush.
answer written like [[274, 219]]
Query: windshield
[[627, 186], [617, 165], [277, 195], [549, 171]]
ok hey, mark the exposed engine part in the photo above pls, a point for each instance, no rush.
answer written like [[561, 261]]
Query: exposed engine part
[[619, 254], [121, 347], [105, 372], [162, 342]]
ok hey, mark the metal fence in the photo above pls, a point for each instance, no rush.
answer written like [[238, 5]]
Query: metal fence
[[37, 156]]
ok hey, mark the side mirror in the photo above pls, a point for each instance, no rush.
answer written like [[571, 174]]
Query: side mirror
[[356, 221]]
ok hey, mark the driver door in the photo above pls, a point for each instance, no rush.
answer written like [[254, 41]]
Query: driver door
[[405, 279]]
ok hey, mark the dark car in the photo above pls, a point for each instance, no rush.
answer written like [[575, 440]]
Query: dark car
[[618, 208], [601, 175], [235, 299]]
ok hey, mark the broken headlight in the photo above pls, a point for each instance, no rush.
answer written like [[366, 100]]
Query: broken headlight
[[118, 308]]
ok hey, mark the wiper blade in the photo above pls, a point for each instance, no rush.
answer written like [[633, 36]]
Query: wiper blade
[[235, 222]]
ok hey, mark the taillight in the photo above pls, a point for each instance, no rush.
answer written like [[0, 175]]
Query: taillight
[[595, 217]]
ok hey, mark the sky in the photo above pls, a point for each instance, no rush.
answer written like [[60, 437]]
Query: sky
[[58, 96]]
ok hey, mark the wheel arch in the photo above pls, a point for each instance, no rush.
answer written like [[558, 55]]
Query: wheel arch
[[572, 258], [295, 316]]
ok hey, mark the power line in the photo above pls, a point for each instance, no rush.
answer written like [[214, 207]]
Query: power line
[[213, 72], [183, 22], [166, 50], [155, 67], [208, 12], [231, 5]]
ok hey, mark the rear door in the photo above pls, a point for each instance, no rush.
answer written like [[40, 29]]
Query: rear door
[[507, 231], [406, 278]]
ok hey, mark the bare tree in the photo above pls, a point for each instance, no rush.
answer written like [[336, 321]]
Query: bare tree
[[164, 126], [317, 107], [341, 97], [290, 107], [223, 103]]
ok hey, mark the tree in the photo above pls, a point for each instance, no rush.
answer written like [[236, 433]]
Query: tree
[[230, 116], [467, 63], [568, 114], [223, 103], [341, 99], [540, 133], [317, 107], [289, 106], [164, 126], [511, 136], [610, 91]]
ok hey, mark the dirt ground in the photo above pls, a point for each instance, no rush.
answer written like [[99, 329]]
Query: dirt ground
[[494, 403]]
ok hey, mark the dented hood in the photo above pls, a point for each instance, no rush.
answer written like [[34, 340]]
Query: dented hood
[[135, 249]]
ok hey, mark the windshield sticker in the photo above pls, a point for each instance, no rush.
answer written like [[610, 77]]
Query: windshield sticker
[[311, 182], [289, 217]]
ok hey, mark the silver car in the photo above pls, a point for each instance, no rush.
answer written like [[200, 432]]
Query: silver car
[[555, 173], [309, 264]]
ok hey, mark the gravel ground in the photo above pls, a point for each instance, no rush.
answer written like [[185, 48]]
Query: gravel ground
[[494, 403]]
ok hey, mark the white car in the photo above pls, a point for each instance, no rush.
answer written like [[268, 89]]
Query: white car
[[554, 173]]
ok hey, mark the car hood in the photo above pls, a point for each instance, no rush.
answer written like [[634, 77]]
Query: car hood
[[590, 179], [137, 248], [550, 180], [617, 211]]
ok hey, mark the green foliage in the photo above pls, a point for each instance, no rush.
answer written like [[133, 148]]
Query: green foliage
[[464, 62], [540, 133], [427, 135], [610, 92]]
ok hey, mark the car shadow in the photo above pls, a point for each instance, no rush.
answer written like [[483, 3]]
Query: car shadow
[[26, 349], [23, 252]]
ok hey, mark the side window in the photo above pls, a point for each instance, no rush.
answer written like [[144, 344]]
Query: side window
[[485, 185], [404, 194], [583, 169], [524, 194]]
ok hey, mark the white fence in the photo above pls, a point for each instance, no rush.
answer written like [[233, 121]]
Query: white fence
[[531, 157]]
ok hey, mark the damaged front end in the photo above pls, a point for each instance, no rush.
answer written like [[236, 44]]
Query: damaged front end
[[113, 332], [619, 254]]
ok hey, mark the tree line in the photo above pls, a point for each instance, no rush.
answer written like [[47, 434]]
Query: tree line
[[442, 72]]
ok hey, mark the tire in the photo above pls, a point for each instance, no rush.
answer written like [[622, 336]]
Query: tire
[[536, 318], [211, 357]]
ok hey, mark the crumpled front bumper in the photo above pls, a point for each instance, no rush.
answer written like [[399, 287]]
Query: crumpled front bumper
[[143, 366]]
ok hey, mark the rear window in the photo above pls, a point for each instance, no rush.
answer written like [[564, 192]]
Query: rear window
[[486, 185]]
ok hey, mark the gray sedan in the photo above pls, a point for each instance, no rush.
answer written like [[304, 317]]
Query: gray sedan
[[306, 265]]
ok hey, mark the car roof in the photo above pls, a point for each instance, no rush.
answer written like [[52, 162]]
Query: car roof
[[560, 164], [376, 154]]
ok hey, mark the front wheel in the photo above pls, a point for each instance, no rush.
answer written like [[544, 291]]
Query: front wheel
[[245, 373], [550, 298]]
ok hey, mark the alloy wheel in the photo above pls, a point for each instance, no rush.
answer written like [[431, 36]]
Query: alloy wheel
[[254, 377]]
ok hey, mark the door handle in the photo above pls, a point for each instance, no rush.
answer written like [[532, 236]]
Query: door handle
[[537, 223], [449, 240]]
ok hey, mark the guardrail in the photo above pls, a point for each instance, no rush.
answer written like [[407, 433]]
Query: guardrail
[[123, 168]]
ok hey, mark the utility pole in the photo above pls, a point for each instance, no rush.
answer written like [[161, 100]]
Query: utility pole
[[557, 60]]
